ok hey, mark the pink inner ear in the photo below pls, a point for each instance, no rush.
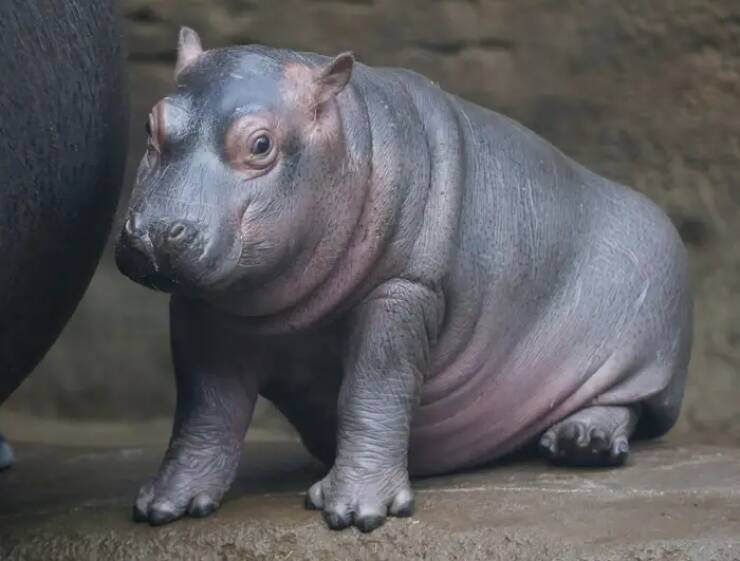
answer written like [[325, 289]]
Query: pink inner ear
[[334, 77], [306, 88], [189, 48]]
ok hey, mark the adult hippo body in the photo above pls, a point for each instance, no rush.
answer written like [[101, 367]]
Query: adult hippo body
[[418, 283], [62, 150]]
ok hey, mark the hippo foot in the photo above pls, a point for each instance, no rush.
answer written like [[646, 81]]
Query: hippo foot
[[6, 454], [349, 499], [185, 486], [159, 508], [595, 436]]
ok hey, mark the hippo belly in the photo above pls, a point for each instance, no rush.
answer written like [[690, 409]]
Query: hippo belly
[[549, 324]]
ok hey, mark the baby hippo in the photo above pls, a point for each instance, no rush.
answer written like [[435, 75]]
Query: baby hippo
[[419, 284]]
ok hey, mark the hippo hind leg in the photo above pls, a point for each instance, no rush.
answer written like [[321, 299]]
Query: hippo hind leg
[[6, 454], [594, 436]]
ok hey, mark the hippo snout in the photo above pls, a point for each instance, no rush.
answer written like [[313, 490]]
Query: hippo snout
[[159, 253], [180, 236]]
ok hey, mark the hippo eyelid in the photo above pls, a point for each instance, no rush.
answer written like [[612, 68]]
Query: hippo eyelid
[[241, 134]]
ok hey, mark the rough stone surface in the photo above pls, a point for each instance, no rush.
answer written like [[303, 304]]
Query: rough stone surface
[[644, 92], [670, 503]]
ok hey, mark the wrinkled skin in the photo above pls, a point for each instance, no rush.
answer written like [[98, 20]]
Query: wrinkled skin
[[63, 140], [419, 284]]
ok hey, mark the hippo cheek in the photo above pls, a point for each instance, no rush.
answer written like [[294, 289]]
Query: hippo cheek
[[273, 236], [265, 252], [220, 262]]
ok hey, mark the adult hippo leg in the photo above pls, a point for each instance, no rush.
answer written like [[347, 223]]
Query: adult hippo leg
[[215, 401], [63, 139], [595, 436], [386, 354]]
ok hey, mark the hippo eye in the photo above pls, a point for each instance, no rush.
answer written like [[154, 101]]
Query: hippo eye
[[261, 145], [252, 149]]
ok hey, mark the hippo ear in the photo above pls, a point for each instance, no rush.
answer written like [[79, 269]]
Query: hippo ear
[[333, 77], [189, 48]]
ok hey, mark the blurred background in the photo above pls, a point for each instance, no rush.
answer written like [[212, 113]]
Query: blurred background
[[647, 93]]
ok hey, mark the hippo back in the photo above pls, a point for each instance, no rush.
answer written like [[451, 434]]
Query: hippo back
[[62, 150]]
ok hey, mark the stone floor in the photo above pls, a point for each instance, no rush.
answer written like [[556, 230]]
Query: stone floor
[[72, 502]]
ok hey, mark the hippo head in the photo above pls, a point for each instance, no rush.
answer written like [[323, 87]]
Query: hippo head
[[242, 166]]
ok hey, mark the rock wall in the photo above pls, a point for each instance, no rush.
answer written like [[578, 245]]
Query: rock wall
[[647, 93]]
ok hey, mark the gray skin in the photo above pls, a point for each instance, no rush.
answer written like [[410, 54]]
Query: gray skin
[[421, 285], [63, 140]]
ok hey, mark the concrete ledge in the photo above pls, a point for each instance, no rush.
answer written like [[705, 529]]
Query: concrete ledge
[[671, 503]]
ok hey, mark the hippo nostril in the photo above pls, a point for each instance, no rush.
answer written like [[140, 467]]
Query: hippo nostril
[[177, 232]]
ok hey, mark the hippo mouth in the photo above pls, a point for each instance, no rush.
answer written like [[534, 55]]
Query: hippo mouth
[[139, 268], [155, 282], [209, 271]]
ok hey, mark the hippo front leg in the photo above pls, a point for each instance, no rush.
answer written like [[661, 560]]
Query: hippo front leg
[[215, 401], [385, 358]]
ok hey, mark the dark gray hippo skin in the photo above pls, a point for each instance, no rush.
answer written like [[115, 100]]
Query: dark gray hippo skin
[[421, 285], [63, 128]]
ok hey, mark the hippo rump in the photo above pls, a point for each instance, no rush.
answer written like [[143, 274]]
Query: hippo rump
[[62, 150], [420, 284]]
